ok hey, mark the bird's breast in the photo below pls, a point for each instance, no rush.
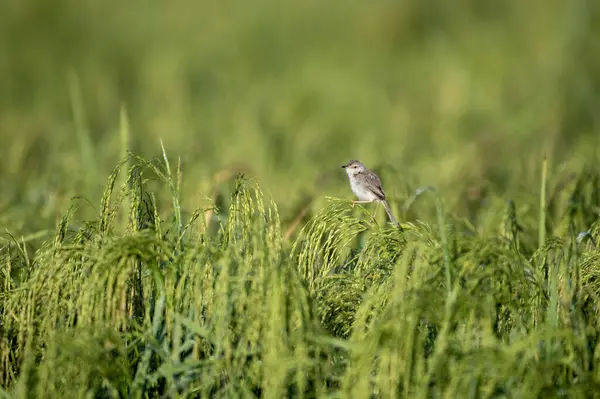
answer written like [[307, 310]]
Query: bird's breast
[[361, 191]]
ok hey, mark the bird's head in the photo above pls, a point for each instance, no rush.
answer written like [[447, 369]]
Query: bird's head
[[354, 167]]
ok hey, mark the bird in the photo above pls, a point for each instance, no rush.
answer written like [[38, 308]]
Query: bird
[[366, 185]]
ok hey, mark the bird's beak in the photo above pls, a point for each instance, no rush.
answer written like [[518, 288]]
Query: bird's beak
[[343, 166]]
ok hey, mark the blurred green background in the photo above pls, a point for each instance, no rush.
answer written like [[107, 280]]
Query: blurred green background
[[467, 96]]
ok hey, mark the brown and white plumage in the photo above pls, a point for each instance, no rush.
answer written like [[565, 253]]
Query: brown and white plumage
[[366, 185]]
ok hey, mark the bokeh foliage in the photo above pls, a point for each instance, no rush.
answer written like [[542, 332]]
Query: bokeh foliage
[[179, 277], [465, 96]]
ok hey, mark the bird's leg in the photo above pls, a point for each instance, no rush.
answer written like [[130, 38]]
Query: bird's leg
[[375, 213], [360, 202]]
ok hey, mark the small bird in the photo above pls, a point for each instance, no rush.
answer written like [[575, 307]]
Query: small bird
[[367, 187]]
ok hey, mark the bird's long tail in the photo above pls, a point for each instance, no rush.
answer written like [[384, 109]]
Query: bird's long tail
[[389, 212]]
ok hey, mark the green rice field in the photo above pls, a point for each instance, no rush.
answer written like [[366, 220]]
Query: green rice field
[[174, 221]]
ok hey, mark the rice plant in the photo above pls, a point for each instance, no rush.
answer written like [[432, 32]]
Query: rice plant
[[142, 303]]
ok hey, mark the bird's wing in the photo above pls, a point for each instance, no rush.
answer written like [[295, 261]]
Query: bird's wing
[[374, 184]]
